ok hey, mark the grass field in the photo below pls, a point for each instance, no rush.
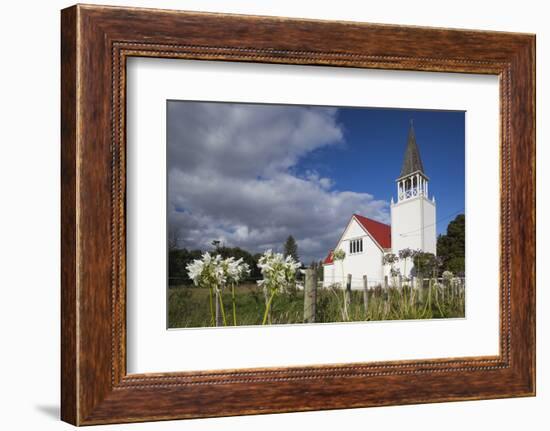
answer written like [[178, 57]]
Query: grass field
[[189, 307]]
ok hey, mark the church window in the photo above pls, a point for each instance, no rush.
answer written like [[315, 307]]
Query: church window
[[356, 246]]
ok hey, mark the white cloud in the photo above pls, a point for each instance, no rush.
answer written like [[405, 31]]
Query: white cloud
[[230, 177]]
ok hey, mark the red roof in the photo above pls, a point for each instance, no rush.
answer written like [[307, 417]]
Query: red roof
[[329, 259], [379, 231]]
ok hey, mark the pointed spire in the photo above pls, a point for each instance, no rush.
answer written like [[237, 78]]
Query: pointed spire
[[412, 161]]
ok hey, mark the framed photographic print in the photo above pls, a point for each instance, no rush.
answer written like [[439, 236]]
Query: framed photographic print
[[305, 198], [325, 214]]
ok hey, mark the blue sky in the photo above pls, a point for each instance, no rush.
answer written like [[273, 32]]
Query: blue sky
[[375, 141], [250, 175]]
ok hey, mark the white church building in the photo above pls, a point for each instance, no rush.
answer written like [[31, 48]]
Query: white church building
[[366, 241]]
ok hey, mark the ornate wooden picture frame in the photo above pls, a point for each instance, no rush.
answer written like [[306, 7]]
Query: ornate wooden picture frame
[[96, 41]]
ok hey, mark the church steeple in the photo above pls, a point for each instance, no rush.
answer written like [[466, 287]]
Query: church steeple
[[413, 215], [412, 161], [412, 181]]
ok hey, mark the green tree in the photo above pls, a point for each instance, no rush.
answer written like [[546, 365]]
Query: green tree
[[424, 263], [451, 246], [291, 248], [178, 259]]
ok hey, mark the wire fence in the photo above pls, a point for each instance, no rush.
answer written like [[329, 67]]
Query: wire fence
[[342, 300], [185, 281], [391, 282]]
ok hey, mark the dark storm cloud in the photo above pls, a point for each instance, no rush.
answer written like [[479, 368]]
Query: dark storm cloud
[[230, 177]]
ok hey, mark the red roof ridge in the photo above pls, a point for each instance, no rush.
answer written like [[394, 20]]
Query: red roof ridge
[[371, 220], [379, 231]]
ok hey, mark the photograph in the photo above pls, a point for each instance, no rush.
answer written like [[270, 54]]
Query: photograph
[[293, 214]]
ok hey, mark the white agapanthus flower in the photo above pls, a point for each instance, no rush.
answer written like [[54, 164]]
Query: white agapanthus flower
[[339, 254], [235, 270], [194, 270], [207, 271], [278, 272], [215, 272], [447, 275]]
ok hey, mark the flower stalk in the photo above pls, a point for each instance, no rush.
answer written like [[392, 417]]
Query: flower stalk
[[340, 255], [233, 303], [215, 273], [278, 275]]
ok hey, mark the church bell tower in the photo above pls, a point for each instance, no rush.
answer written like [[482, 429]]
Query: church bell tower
[[413, 222]]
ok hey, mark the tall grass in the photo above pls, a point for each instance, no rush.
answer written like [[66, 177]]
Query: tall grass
[[189, 306]]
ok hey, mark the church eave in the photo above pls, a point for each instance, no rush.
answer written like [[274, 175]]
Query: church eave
[[411, 174]]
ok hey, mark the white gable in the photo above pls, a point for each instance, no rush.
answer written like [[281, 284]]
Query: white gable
[[353, 230], [367, 262]]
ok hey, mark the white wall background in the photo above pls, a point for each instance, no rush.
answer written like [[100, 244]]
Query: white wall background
[[29, 214]]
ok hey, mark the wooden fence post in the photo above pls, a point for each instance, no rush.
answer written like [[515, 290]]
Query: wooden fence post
[[310, 295], [347, 296], [366, 293]]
